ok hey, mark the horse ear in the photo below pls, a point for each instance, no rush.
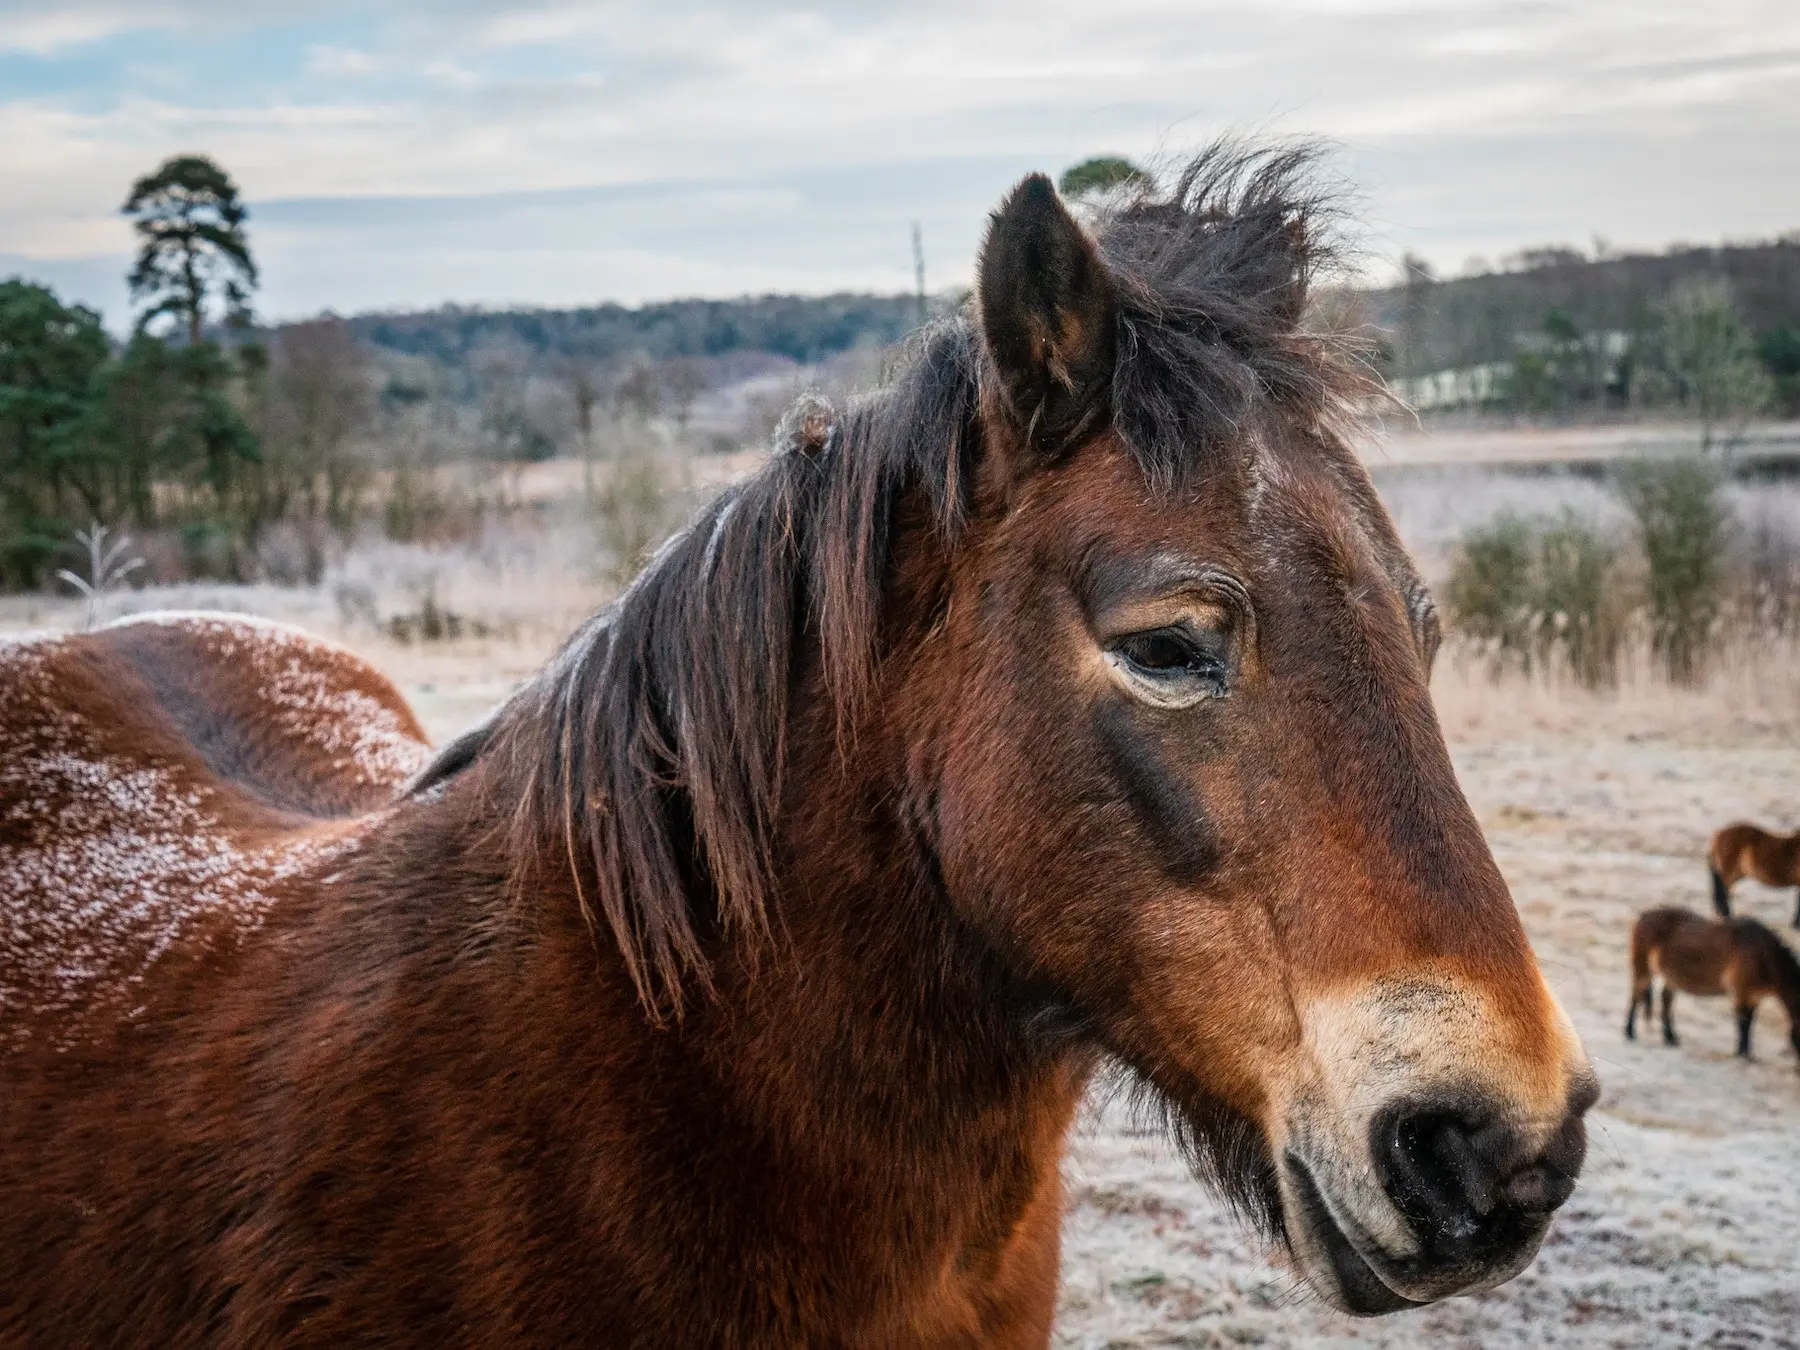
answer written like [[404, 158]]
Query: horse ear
[[1047, 315]]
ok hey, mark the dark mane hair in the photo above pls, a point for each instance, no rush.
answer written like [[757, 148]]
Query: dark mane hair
[[650, 752], [1783, 964]]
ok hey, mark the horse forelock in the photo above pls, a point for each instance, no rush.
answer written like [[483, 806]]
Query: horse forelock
[[649, 754]]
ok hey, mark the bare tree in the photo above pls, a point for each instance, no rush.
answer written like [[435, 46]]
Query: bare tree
[[315, 402], [108, 567], [638, 392], [582, 381], [1711, 356], [1418, 283], [683, 379], [511, 417], [321, 398]]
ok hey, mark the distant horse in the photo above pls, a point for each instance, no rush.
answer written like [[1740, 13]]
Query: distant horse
[[1745, 850], [1710, 957], [1060, 709]]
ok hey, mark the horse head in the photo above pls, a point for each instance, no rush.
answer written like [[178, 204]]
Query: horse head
[[1180, 761]]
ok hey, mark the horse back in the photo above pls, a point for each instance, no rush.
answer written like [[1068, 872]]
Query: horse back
[[1691, 953], [293, 723], [1746, 850], [162, 782]]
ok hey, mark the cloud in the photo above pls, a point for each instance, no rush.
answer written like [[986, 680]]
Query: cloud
[[324, 59], [43, 30], [1471, 125]]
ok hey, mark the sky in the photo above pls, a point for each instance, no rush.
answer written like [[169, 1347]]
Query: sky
[[408, 154]]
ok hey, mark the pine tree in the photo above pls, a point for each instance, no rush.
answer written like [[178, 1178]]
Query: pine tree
[[193, 248]]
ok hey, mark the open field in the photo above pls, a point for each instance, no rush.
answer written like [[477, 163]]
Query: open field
[[1402, 444], [1686, 1228]]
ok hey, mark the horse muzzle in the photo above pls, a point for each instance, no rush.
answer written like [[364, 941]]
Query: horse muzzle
[[1454, 1195]]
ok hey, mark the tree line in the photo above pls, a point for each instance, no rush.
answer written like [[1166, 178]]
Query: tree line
[[1713, 333], [196, 426], [806, 329], [154, 429], [217, 436]]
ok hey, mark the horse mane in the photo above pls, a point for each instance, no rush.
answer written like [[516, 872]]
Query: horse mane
[[1785, 967], [648, 755]]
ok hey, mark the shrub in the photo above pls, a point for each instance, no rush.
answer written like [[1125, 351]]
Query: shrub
[[1541, 591], [1681, 528], [433, 621], [1491, 593], [634, 510], [1578, 599]]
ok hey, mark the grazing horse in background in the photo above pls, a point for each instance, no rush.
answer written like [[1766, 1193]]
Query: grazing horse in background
[[1059, 709], [1745, 850], [1709, 957]]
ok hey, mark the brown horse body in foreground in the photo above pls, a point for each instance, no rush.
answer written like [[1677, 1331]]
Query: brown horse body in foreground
[[1060, 709], [1745, 850], [1710, 957]]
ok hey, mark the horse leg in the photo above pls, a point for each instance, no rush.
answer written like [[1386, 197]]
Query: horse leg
[[1669, 1037], [1639, 993], [1721, 895], [1797, 909], [1745, 1016]]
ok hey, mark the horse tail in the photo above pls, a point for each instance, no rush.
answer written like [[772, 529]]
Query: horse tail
[[1721, 893], [1640, 977], [1642, 943]]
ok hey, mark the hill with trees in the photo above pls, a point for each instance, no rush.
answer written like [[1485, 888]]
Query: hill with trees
[[1560, 332], [234, 450], [805, 329]]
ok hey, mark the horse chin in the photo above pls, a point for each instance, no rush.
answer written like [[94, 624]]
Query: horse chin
[[1230, 1152], [1354, 1272], [1332, 1261]]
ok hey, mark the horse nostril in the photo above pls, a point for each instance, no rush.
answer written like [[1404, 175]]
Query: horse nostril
[[1550, 1178], [1434, 1169], [1532, 1189], [1465, 1183]]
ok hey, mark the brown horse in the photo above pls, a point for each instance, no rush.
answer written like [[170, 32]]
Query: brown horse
[[1709, 957], [1060, 708], [1745, 850]]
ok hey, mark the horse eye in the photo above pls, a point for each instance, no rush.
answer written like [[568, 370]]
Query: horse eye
[[1160, 651], [1169, 667]]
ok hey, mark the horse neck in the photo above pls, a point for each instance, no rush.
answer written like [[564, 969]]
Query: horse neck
[[873, 1037], [874, 988], [871, 953]]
